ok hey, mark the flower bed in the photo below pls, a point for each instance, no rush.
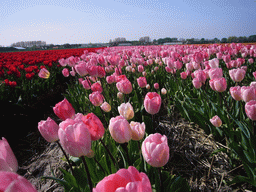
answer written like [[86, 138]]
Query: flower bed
[[118, 96]]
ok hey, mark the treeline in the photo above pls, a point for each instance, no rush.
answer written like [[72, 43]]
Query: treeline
[[231, 39]]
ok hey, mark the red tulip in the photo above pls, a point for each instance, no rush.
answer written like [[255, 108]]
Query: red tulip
[[64, 110], [94, 125]]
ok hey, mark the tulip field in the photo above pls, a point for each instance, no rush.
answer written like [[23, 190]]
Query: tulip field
[[115, 99]]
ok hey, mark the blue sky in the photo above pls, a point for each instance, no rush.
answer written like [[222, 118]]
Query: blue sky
[[84, 21]]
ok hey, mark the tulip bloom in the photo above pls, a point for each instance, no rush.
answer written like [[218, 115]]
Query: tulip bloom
[[236, 93], [216, 121], [163, 91], [218, 84], [75, 139], [138, 130], [237, 75], [142, 82], [10, 181], [155, 150], [215, 73], [183, 75], [44, 73], [125, 180], [214, 63], [124, 86], [126, 110], [152, 102], [49, 130], [65, 72], [94, 125], [64, 110], [105, 107], [96, 98], [8, 161], [120, 129], [156, 85], [248, 93], [250, 109], [197, 84], [81, 68], [96, 87]]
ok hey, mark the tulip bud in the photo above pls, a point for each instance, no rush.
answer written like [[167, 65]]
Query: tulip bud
[[138, 130], [152, 102], [8, 161], [49, 130], [216, 121], [120, 129], [105, 107], [155, 150], [126, 110]]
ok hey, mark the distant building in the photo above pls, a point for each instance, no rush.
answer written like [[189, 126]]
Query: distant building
[[124, 44], [19, 48], [173, 43], [145, 39]]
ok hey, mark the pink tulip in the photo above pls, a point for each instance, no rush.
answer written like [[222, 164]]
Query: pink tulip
[[237, 75], [96, 98], [124, 86], [250, 61], [219, 55], [110, 79], [75, 139], [155, 150], [12, 182], [248, 93], [152, 102], [65, 72], [126, 110], [200, 75], [214, 63], [138, 130], [64, 110], [215, 73], [120, 129], [49, 130], [94, 125], [44, 73], [254, 74], [156, 85], [236, 93], [96, 71], [8, 161], [196, 83], [86, 84], [147, 86], [140, 68], [96, 87], [105, 107], [142, 82], [250, 109], [163, 91], [218, 84], [125, 180], [183, 75], [216, 121], [81, 68]]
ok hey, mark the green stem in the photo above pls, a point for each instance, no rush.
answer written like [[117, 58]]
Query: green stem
[[87, 172], [161, 179], [124, 146], [65, 154], [111, 156], [99, 165]]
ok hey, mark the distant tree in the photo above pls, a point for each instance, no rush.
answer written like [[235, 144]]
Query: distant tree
[[216, 40], [202, 40], [252, 38], [224, 40], [232, 39], [66, 45]]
